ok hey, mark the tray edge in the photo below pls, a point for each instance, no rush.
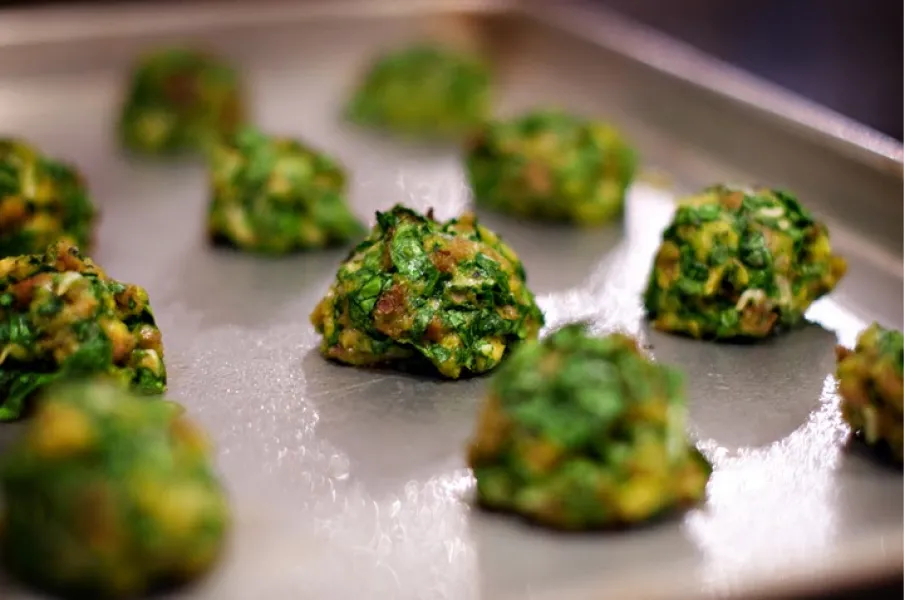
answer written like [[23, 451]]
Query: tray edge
[[682, 61]]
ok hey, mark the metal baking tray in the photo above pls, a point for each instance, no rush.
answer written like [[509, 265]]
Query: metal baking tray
[[352, 484]]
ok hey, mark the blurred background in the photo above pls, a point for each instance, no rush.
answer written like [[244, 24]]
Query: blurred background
[[843, 54]]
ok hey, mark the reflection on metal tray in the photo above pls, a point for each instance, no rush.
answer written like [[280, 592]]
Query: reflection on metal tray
[[351, 484]]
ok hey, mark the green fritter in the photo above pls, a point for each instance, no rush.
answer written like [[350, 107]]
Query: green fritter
[[426, 90], [582, 432], [275, 195], [871, 388], [109, 495], [418, 292], [42, 200], [180, 101], [60, 315], [739, 264], [551, 166]]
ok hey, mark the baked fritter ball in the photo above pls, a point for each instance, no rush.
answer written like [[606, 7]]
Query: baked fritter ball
[[738, 263], [109, 495], [60, 315], [275, 195], [419, 293], [428, 90], [180, 101], [871, 388], [582, 432], [42, 200], [551, 166]]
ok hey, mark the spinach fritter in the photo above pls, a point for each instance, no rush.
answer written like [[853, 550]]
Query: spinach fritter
[[180, 101], [60, 315], [736, 264], [551, 166], [42, 200], [425, 90], [275, 195], [582, 432], [418, 292], [871, 387], [109, 495]]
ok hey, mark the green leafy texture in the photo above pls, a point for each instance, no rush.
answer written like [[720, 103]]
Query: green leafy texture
[[107, 495], [180, 101], [418, 292], [551, 166], [275, 195], [870, 384], [60, 315], [581, 432], [426, 90], [739, 264], [42, 200]]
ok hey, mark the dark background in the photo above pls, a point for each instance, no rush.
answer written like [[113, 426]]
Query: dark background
[[843, 54]]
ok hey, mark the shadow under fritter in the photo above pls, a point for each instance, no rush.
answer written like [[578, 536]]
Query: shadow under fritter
[[545, 559], [404, 408], [750, 395]]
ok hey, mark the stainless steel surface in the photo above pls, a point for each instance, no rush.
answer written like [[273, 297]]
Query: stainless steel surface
[[351, 484]]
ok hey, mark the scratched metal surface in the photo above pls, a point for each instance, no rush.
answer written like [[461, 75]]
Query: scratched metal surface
[[350, 483]]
